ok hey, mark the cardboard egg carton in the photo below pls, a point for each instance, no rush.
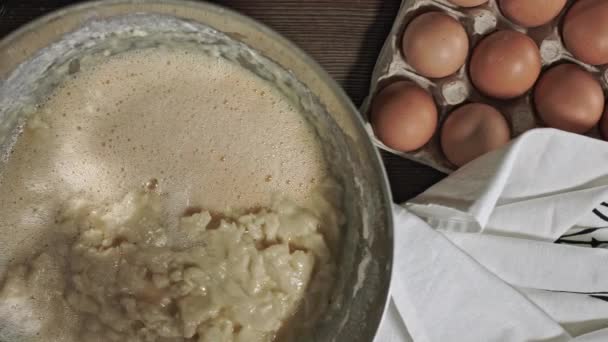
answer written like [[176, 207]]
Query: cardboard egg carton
[[455, 90]]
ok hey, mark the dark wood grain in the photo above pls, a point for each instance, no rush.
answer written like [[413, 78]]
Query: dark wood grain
[[344, 36]]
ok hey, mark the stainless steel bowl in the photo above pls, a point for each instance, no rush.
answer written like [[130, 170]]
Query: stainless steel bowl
[[361, 293]]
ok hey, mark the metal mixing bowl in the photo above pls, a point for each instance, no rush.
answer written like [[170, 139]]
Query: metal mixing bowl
[[29, 56]]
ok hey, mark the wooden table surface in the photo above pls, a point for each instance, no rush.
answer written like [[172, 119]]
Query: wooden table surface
[[344, 36]]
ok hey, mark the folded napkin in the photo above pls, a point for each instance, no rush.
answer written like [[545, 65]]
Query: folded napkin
[[507, 248]]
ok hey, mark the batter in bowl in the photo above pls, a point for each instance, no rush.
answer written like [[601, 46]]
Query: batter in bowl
[[140, 204]]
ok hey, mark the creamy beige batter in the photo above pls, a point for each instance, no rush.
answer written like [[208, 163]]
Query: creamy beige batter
[[214, 135], [128, 277]]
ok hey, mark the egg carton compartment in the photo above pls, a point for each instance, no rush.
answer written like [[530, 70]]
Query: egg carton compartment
[[457, 89]]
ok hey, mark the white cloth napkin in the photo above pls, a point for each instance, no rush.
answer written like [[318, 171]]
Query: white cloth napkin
[[496, 251]]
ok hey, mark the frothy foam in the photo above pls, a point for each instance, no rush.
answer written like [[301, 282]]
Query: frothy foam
[[212, 133]]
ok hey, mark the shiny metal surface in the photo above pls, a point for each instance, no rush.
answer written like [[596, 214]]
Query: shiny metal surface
[[362, 290]]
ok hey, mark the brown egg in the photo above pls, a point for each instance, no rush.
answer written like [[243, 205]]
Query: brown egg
[[569, 98], [585, 31], [505, 64], [468, 3], [604, 125], [435, 44], [531, 13], [404, 116], [472, 130]]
